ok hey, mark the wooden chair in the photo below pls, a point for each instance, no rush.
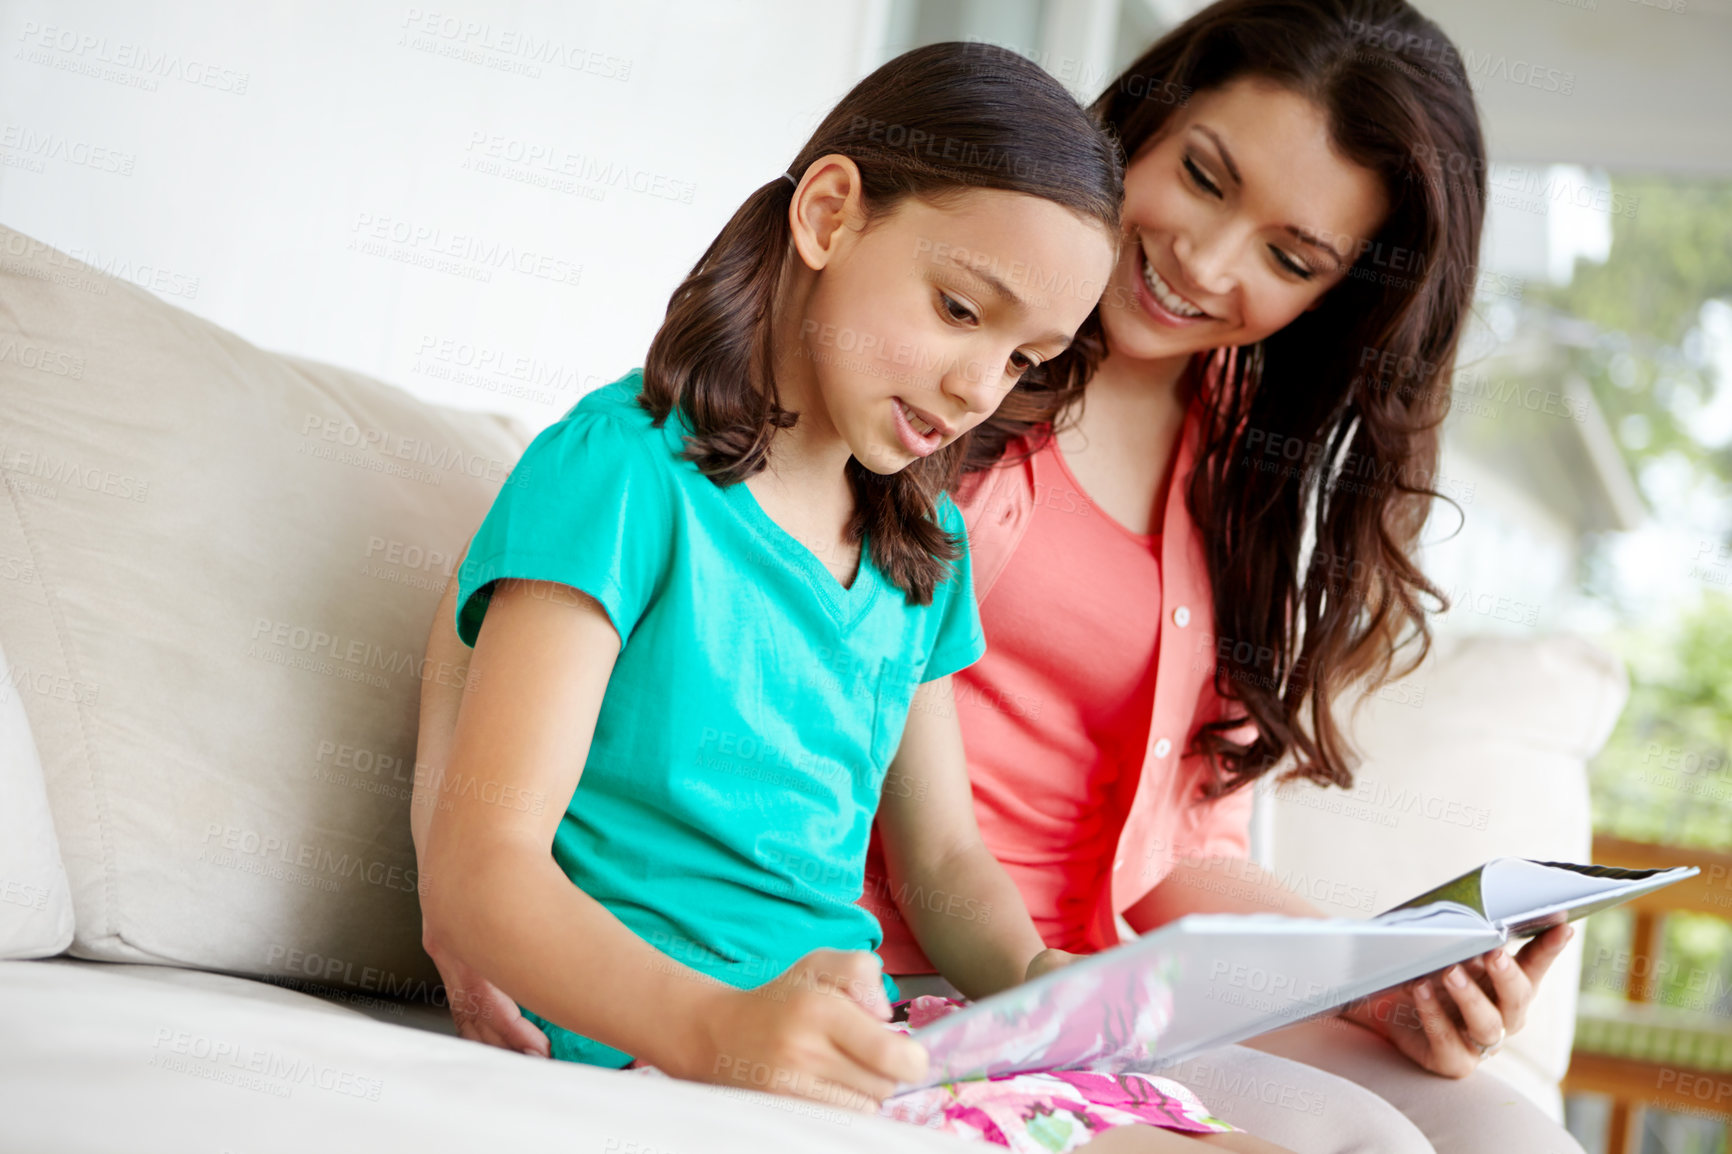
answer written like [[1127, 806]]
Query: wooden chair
[[1637, 1052]]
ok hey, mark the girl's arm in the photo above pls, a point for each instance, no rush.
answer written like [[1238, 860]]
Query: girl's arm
[[964, 910], [440, 700], [481, 1011], [494, 898]]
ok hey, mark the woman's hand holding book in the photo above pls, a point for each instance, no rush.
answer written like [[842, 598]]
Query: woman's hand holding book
[[1449, 1023]]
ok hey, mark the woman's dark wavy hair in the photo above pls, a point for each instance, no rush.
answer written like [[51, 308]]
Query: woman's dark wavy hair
[[933, 122], [1359, 385]]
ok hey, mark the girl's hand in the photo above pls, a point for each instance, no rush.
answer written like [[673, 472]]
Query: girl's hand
[[482, 1011], [1450, 1026], [1048, 960], [815, 1032]]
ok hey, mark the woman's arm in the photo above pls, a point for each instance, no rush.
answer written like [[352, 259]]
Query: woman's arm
[[966, 913], [494, 898], [1215, 885]]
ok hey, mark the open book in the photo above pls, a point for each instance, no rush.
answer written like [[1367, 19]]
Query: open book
[[1208, 980]]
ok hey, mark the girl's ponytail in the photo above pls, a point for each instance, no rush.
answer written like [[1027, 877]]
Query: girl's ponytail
[[711, 336]]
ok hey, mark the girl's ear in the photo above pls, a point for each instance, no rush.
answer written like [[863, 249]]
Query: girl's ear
[[828, 208]]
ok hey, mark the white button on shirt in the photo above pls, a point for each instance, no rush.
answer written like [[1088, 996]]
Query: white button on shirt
[[1181, 617], [1163, 747]]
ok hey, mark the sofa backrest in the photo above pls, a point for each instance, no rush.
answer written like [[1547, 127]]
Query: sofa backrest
[[237, 556]]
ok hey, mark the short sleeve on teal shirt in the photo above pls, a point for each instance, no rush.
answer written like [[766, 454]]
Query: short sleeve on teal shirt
[[586, 506], [960, 641]]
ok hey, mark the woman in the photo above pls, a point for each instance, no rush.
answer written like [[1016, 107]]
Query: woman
[[1156, 639], [1289, 224]]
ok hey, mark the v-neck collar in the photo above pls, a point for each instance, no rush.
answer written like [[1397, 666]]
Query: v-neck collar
[[845, 605]]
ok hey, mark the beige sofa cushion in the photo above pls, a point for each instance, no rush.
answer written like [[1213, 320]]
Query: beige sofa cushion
[[35, 904], [97, 1058], [238, 556], [1480, 753]]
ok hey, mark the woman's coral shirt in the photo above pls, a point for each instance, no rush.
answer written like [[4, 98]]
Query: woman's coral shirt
[[1098, 671]]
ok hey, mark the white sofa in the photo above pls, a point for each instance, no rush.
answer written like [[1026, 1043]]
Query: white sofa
[[217, 566]]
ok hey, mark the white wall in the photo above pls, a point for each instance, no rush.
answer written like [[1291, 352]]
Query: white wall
[[290, 170], [1631, 84]]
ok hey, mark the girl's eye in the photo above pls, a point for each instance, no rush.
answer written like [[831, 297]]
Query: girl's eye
[[1021, 363], [1292, 265], [955, 309], [1204, 182]]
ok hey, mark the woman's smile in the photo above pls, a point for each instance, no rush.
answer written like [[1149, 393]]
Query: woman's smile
[[1168, 305]]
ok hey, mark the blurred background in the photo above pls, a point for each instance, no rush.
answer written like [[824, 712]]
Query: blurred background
[[488, 204]]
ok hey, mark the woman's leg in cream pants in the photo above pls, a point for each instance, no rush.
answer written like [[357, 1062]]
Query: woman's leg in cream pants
[[1458, 1116], [1304, 1109]]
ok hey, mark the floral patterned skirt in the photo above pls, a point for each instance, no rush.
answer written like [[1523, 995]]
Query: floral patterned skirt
[[1044, 1113], [1047, 1113]]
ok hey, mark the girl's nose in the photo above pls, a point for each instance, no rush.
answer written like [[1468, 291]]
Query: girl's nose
[[970, 387]]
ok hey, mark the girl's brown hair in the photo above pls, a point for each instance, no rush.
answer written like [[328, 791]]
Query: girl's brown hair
[[935, 121], [1357, 386]]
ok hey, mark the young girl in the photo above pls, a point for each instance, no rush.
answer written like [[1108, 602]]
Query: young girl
[[705, 599]]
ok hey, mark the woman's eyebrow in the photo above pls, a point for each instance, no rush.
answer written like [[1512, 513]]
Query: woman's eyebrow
[[1304, 237], [1298, 234], [1220, 147]]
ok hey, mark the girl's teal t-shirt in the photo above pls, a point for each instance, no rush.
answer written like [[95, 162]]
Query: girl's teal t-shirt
[[724, 808]]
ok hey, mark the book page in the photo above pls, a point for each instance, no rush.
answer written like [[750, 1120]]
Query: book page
[[1463, 892], [1201, 981], [1525, 896], [1443, 914]]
